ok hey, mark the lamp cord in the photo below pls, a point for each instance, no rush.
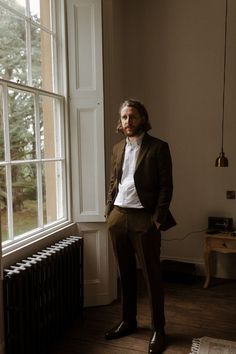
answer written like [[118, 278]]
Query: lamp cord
[[224, 75]]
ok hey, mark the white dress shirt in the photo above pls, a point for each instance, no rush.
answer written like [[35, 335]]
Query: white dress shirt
[[127, 196]]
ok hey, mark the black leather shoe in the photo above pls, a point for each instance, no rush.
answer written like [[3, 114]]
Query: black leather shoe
[[124, 328], [157, 343]]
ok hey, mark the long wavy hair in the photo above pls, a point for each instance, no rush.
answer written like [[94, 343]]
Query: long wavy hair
[[142, 111]]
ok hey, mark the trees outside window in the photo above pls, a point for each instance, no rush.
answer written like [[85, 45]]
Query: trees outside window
[[33, 194]]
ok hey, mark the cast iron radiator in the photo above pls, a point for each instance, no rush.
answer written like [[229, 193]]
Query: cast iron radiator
[[43, 294]]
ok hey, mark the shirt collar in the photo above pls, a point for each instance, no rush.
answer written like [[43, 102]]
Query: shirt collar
[[135, 140]]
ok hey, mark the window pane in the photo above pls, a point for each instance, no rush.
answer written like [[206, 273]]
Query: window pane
[[50, 127], [18, 5], [24, 192], [36, 57], [35, 10], [40, 12], [3, 204], [52, 192], [13, 61], [1, 128], [21, 125], [41, 56]]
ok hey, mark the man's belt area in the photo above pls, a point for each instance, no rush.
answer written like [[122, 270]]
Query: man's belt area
[[130, 210]]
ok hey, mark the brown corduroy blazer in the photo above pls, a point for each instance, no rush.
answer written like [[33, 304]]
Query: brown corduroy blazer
[[152, 178]]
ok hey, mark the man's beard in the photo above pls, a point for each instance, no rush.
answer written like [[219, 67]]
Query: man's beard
[[134, 131]]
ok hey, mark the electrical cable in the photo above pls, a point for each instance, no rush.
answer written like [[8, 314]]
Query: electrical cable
[[183, 238]]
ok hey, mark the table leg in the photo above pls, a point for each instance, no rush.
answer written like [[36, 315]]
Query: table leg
[[207, 267]]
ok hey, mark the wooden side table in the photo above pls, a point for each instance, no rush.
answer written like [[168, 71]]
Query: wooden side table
[[223, 243]]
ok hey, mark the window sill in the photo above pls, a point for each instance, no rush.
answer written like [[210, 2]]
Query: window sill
[[26, 247]]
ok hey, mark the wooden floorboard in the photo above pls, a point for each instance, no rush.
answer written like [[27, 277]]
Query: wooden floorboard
[[191, 311]]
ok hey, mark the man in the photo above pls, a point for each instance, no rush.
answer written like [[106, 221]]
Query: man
[[137, 210]]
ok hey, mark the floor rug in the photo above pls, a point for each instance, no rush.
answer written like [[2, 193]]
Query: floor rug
[[207, 345]]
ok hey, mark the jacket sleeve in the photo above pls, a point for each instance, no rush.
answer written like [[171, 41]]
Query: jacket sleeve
[[165, 183], [112, 184]]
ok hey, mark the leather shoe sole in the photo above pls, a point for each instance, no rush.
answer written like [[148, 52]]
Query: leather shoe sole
[[123, 329]]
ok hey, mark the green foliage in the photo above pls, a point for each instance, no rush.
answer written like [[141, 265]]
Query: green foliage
[[14, 66], [12, 47]]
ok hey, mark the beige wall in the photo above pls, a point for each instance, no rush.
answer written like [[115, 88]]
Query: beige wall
[[169, 54]]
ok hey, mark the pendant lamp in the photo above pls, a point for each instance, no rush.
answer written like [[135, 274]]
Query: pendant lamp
[[222, 160]]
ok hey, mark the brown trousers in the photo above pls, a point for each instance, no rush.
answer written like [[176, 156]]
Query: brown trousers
[[133, 232]]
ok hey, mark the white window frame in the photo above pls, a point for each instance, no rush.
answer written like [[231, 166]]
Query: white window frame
[[60, 86]]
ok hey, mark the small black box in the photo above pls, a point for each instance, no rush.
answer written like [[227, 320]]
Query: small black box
[[216, 223], [179, 272]]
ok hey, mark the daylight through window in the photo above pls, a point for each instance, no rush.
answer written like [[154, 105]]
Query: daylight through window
[[33, 172]]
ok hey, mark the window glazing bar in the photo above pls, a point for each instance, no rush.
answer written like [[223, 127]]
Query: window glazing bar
[[26, 88]]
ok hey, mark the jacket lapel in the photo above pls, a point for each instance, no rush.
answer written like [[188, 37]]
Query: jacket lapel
[[144, 148], [120, 159]]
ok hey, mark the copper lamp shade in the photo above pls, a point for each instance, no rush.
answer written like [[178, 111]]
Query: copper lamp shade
[[222, 160]]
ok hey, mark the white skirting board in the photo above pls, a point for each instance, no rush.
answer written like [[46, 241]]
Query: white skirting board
[[223, 265]]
